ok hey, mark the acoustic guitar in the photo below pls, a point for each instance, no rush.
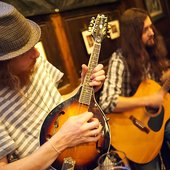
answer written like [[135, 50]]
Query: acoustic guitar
[[140, 132], [85, 155]]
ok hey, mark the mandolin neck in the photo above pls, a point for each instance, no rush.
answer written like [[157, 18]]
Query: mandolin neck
[[87, 90]]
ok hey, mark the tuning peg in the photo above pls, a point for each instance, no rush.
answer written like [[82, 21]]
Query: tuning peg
[[105, 23], [90, 29], [92, 20], [108, 31], [109, 27], [91, 25], [108, 36], [94, 30]]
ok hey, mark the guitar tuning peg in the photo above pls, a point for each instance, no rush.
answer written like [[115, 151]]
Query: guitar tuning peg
[[104, 31], [105, 23], [94, 29], [92, 20], [91, 24], [89, 29], [108, 36], [108, 33]]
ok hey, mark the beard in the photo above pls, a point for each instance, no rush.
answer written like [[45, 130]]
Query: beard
[[150, 42], [27, 76]]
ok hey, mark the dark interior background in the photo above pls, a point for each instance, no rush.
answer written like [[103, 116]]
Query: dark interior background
[[62, 23]]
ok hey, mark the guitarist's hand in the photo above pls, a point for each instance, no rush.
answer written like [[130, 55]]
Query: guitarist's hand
[[165, 76], [156, 100], [97, 76], [79, 129]]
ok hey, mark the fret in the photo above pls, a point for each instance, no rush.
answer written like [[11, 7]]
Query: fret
[[87, 91]]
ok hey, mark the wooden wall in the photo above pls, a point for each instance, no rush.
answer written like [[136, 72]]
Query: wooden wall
[[63, 42]]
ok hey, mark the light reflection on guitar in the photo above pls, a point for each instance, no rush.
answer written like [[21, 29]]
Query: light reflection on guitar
[[84, 155]]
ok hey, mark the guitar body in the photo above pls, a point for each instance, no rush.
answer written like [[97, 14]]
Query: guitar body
[[85, 155], [140, 145]]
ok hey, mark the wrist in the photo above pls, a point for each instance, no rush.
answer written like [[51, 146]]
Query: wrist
[[58, 143], [145, 102], [54, 147]]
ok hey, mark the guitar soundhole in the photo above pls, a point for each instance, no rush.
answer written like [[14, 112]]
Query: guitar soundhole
[[56, 122], [152, 110]]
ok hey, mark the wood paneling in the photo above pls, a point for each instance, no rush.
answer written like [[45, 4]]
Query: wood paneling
[[66, 53]]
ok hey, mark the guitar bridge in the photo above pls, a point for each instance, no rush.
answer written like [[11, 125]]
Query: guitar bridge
[[139, 124]]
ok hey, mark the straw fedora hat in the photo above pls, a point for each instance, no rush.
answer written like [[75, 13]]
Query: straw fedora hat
[[17, 34]]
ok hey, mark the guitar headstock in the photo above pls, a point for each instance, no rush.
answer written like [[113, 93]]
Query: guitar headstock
[[98, 27]]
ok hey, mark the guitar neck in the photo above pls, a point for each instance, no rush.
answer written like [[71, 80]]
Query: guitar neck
[[166, 85], [86, 92]]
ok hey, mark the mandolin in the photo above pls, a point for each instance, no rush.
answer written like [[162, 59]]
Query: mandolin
[[139, 132], [85, 156]]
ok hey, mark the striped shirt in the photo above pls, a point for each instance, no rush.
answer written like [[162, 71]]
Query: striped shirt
[[21, 115], [116, 83]]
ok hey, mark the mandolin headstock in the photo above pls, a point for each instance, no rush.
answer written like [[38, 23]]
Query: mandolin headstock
[[98, 27]]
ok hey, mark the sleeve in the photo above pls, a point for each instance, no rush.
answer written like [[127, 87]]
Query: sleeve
[[113, 84], [7, 145]]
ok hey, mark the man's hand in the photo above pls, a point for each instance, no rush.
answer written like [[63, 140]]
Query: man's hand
[[97, 76]]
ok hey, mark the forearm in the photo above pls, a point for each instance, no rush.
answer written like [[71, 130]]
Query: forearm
[[128, 103], [40, 159]]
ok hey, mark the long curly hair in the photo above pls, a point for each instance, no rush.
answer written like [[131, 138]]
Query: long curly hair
[[14, 82], [136, 54], [7, 79]]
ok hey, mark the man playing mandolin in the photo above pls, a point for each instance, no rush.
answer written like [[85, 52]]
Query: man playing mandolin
[[28, 92], [138, 116]]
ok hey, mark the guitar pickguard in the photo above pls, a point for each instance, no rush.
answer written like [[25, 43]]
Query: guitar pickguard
[[155, 123]]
